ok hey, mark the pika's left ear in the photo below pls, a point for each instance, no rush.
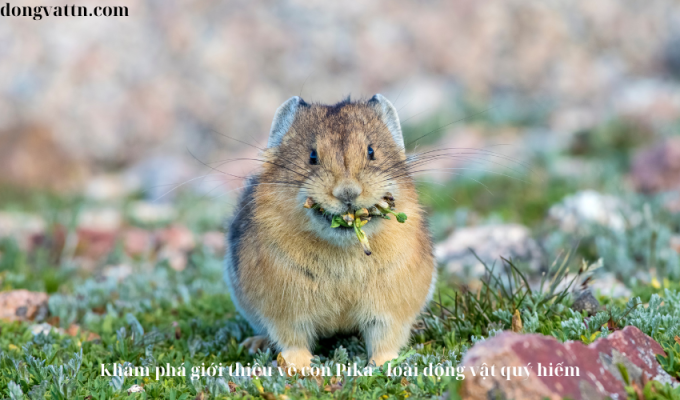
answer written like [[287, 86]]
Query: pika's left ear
[[389, 117]]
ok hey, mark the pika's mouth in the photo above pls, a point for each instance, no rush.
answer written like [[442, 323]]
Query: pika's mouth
[[327, 218], [356, 219]]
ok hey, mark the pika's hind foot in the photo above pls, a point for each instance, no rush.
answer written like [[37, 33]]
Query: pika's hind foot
[[298, 357], [381, 359], [255, 343]]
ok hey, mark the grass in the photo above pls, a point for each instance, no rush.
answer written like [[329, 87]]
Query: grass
[[166, 317], [525, 200]]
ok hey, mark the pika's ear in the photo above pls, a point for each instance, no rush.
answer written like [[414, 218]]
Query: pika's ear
[[389, 117], [283, 119]]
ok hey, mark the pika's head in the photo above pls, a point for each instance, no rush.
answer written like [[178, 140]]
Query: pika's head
[[345, 157]]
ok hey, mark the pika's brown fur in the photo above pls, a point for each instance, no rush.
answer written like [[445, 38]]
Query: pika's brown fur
[[291, 275]]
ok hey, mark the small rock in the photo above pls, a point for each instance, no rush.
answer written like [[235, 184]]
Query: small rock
[[111, 187], [149, 213], [22, 305], [137, 242], [135, 389], [32, 156], [586, 302], [630, 346], [100, 219], [646, 100], [606, 284], [215, 241], [489, 243], [675, 243], [177, 237], [176, 241], [593, 370], [673, 204], [599, 281], [117, 272], [41, 329], [176, 259], [657, 168], [576, 212], [94, 244], [22, 227], [76, 330]]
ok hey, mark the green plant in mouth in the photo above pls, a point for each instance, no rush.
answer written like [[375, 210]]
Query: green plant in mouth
[[356, 221], [360, 217], [401, 217]]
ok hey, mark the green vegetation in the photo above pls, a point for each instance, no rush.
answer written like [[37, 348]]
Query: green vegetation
[[166, 317]]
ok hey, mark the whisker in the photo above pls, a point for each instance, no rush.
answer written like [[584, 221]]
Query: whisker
[[412, 173], [202, 177], [421, 163], [451, 123], [240, 141], [215, 176], [474, 151], [223, 162], [412, 116], [218, 170], [242, 187]]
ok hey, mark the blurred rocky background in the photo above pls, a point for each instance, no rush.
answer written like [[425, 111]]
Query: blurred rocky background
[[80, 97], [562, 118]]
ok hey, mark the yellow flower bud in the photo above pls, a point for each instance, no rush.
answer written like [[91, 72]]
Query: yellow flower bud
[[361, 213], [309, 203], [348, 218], [383, 204]]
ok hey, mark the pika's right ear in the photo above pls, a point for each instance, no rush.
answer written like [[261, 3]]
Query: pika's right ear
[[283, 119]]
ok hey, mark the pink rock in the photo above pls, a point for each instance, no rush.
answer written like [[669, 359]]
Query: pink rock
[[177, 237], [22, 305], [658, 168], [215, 241], [675, 243], [137, 241], [587, 372], [174, 243], [95, 244], [176, 259], [636, 347]]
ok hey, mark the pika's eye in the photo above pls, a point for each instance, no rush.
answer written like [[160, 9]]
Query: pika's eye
[[371, 153], [313, 158]]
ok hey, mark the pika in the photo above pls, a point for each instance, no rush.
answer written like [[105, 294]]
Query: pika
[[292, 276]]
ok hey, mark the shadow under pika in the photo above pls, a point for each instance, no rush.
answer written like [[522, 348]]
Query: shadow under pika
[[353, 342]]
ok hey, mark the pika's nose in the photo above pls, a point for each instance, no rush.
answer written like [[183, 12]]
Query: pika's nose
[[347, 191]]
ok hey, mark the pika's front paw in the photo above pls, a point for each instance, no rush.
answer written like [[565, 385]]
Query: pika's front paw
[[297, 357], [255, 343], [382, 358]]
